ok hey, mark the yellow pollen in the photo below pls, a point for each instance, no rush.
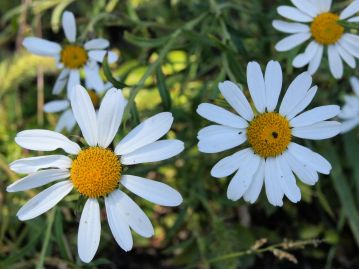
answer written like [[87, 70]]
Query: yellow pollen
[[94, 98], [95, 172], [269, 134], [73, 56], [325, 29]]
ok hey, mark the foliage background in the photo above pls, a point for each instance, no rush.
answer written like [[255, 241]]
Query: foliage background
[[173, 53]]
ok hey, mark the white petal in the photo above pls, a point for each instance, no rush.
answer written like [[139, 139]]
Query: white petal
[[256, 86], [310, 158], [294, 14], [352, 38], [110, 116], [349, 46], [153, 191], [216, 144], [323, 5], [97, 43], [335, 62], [315, 115], [348, 125], [306, 7], [236, 98], [350, 10], [351, 107], [45, 200], [66, 120], [303, 59], [292, 41], [287, 180], [305, 173], [45, 140], [221, 116], [154, 152], [273, 83], [318, 131], [88, 237], [145, 133], [271, 180], [74, 80], [69, 26], [117, 222], [93, 79], [252, 193], [217, 132], [345, 55], [41, 46], [290, 27], [302, 104], [85, 114], [132, 214], [38, 179], [296, 92], [243, 178], [98, 55], [61, 81], [230, 164], [315, 61], [33, 164], [56, 106], [354, 19], [354, 82]]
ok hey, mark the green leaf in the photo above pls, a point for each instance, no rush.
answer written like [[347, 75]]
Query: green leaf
[[349, 25], [343, 190], [107, 71], [59, 235], [144, 42], [351, 147], [134, 114], [162, 88]]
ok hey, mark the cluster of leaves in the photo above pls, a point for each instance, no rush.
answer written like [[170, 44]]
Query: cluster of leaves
[[173, 53]]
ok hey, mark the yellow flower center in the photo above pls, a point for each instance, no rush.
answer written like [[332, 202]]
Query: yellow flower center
[[269, 134], [94, 98], [95, 172], [73, 56], [325, 29]]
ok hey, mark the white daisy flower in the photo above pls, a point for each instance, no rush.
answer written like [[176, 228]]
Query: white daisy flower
[[67, 120], [350, 111], [271, 156], [73, 56], [96, 171], [313, 21]]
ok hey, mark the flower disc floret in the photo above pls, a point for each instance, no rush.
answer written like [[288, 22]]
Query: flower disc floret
[[269, 134], [74, 56], [325, 28], [96, 172]]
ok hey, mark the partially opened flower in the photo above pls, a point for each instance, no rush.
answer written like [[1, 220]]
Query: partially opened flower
[[67, 120], [314, 21], [271, 155], [96, 171], [73, 56], [350, 111]]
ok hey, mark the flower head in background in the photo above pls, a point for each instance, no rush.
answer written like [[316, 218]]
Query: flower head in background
[[96, 171], [313, 21], [350, 111], [73, 56], [67, 120], [271, 156]]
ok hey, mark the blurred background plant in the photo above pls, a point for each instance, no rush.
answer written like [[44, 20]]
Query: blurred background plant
[[173, 53]]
